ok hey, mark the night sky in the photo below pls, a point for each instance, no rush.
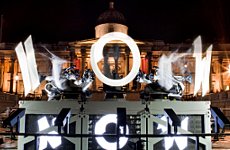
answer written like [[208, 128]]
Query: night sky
[[172, 21]]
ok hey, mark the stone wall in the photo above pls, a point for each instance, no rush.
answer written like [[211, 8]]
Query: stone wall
[[220, 100], [7, 100]]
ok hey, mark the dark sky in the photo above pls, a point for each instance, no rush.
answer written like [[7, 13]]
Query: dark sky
[[69, 20]]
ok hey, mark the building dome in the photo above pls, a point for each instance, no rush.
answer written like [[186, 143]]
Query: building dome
[[110, 21], [111, 16]]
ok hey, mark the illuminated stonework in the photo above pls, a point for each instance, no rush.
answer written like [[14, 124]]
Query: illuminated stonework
[[78, 52], [110, 21], [103, 29]]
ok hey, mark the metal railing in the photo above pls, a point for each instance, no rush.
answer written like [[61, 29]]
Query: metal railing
[[197, 136]]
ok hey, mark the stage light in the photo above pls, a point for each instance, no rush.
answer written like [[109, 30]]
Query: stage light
[[14, 120], [100, 129]]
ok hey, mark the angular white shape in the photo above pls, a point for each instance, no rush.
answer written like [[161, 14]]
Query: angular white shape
[[166, 77], [206, 74], [54, 141], [28, 65], [24, 68], [32, 65], [202, 70], [100, 130], [56, 70], [182, 142], [165, 72]]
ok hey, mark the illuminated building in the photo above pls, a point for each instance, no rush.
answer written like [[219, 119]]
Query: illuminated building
[[143, 118], [78, 52]]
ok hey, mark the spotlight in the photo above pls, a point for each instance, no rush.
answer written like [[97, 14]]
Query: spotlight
[[14, 119]]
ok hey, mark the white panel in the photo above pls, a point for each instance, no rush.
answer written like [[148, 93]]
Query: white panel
[[24, 67], [207, 62], [202, 71], [32, 65]]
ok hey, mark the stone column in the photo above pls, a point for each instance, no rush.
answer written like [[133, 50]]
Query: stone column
[[106, 67], [12, 74], [220, 60], [149, 57], [210, 78], [143, 63], [72, 56], [2, 73], [83, 55], [116, 57], [127, 53]]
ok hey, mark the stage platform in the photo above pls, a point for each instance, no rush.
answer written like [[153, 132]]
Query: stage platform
[[143, 118], [141, 121]]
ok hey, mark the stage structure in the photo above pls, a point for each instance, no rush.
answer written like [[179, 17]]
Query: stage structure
[[137, 122], [64, 122]]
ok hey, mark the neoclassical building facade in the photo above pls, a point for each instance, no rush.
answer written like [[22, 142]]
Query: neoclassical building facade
[[78, 53]]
